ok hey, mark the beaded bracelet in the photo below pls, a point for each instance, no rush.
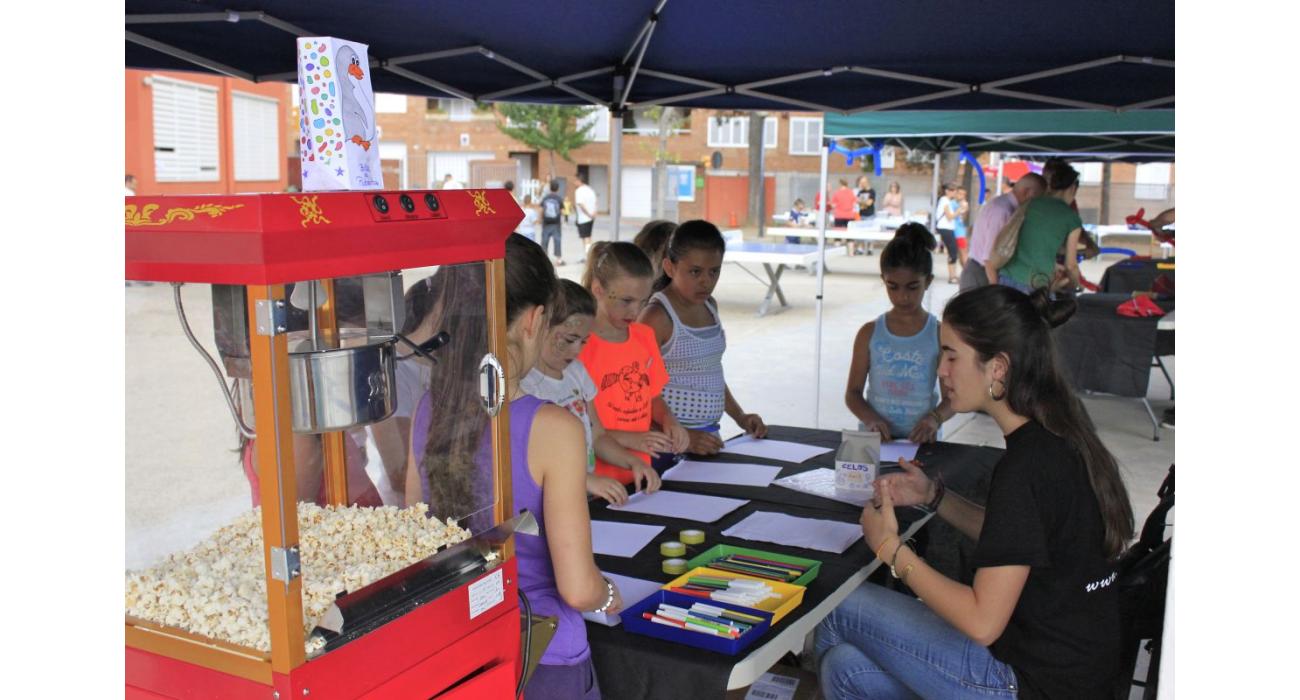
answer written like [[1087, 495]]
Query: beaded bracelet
[[609, 595], [939, 492]]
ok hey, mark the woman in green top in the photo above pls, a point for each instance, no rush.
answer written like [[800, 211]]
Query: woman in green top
[[1049, 221]]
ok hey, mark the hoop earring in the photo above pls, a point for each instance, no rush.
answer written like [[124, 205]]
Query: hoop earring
[[1000, 396]]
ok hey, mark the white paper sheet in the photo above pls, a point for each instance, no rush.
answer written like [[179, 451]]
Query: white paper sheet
[[894, 450], [736, 474], [821, 482], [687, 506], [773, 449], [771, 686], [631, 590], [621, 539], [809, 533]]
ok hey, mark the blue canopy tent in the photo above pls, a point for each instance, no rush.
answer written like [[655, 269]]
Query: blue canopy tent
[[822, 55]]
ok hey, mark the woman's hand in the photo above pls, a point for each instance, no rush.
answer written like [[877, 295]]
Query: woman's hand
[[654, 442], [606, 488], [703, 442], [878, 521], [643, 477], [910, 488], [753, 424], [925, 429]]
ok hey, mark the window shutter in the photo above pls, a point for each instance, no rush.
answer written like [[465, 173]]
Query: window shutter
[[185, 137], [257, 142]]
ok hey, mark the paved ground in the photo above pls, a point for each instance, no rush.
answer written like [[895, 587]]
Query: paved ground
[[183, 478]]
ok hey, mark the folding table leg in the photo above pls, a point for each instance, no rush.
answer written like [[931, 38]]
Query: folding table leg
[[1155, 422], [773, 288], [1161, 365]]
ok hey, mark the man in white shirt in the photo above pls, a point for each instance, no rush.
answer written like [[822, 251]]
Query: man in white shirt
[[450, 183], [130, 185], [584, 200]]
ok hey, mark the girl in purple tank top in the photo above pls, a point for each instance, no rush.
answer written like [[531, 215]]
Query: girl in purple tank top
[[557, 570]]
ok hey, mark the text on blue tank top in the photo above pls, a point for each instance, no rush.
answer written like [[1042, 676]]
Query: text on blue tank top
[[902, 381]]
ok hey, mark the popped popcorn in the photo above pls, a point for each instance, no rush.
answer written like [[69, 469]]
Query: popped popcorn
[[218, 588]]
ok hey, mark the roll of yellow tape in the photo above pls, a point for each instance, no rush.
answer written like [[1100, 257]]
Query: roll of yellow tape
[[692, 536], [676, 567], [672, 549]]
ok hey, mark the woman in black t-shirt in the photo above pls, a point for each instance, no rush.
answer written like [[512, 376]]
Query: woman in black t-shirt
[[1041, 618]]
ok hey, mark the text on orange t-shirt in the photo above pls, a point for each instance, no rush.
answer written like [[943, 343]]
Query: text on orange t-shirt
[[628, 376]]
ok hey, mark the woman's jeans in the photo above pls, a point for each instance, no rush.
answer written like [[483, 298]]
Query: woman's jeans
[[882, 644]]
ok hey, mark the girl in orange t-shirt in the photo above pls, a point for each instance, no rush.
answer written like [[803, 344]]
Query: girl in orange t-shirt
[[623, 359]]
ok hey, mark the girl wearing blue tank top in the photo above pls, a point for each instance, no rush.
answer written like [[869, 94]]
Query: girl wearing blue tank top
[[899, 351], [685, 320]]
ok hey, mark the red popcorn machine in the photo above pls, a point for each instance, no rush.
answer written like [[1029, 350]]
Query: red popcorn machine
[[283, 539]]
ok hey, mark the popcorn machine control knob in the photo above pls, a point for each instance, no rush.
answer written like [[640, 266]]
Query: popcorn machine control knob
[[380, 203], [431, 202], [407, 203]]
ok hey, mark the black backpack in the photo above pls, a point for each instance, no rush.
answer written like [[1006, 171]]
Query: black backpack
[[1143, 578], [552, 209]]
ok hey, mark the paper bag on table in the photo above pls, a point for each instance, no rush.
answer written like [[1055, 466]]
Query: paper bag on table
[[338, 140]]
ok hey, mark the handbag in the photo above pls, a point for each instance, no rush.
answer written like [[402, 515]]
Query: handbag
[[1004, 246]]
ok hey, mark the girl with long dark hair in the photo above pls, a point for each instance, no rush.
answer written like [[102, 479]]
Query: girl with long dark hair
[[548, 459], [1040, 618]]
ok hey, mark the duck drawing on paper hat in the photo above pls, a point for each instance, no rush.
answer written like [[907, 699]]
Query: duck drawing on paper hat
[[358, 103]]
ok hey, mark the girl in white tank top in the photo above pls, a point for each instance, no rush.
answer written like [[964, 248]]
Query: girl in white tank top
[[685, 320]]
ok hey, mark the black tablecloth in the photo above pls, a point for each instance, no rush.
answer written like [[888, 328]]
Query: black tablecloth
[[1127, 276], [1105, 352], [631, 666]]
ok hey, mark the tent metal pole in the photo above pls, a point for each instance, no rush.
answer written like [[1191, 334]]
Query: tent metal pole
[[1001, 167], [821, 271], [616, 157], [934, 192], [196, 59]]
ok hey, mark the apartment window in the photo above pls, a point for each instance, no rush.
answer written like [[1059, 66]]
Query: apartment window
[[459, 110], [733, 132], [599, 118], [185, 137], [805, 136], [1089, 173], [1151, 181], [257, 137], [389, 103]]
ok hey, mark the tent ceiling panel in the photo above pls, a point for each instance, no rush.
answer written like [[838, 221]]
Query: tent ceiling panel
[[727, 44], [1136, 135]]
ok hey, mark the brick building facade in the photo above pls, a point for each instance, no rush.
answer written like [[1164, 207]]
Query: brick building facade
[[190, 133]]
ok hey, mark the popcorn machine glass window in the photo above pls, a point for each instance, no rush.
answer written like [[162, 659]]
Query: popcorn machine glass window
[[316, 459]]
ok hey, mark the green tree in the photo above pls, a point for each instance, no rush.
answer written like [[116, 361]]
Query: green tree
[[551, 128]]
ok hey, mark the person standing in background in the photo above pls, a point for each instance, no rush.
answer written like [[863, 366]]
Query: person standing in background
[[552, 212], [130, 185], [584, 200], [991, 219], [892, 204], [959, 224], [866, 198], [450, 183], [945, 221]]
